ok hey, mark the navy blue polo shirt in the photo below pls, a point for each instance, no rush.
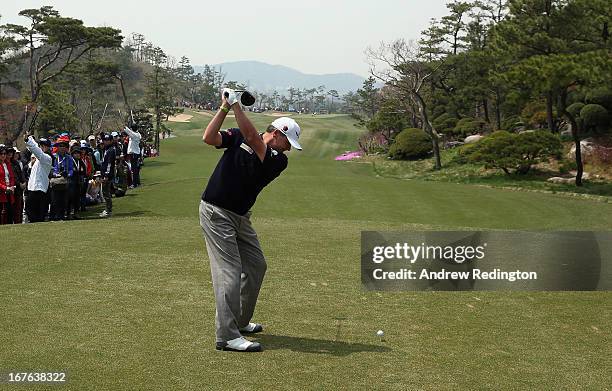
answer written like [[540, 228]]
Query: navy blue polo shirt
[[240, 175]]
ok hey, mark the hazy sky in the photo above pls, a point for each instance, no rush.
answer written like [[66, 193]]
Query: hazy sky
[[313, 36]]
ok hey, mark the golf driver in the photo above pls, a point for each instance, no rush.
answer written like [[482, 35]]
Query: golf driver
[[245, 97]]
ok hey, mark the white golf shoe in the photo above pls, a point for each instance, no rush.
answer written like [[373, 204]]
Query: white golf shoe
[[251, 328], [240, 344]]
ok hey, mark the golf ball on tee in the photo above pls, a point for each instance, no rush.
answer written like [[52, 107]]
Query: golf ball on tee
[[380, 333]]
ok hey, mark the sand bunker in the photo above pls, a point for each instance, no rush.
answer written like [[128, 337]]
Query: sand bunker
[[180, 118], [209, 114], [279, 114]]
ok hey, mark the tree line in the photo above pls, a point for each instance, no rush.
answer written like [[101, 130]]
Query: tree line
[[492, 65], [57, 74]]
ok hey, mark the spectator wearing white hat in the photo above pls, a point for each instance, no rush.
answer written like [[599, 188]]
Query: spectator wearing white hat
[[108, 174], [117, 142], [91, 140], [93, 196], [93, 144], [86, 157], [98, 155]]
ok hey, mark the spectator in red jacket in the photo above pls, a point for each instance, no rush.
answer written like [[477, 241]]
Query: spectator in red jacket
[[7, 188]]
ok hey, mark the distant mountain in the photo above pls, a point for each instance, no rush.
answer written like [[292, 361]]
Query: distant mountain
[[264, 77]]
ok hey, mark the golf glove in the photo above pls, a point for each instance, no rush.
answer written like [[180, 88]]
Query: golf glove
[[230, 96]]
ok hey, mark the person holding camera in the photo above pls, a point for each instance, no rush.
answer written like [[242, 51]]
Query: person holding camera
[[133, 151], [63, 170], [37, 203]]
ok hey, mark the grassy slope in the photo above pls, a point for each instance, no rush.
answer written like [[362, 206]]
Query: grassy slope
[[130, 306], [455, 172]]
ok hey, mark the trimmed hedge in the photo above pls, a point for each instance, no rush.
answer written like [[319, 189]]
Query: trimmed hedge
[[445, 123], [512, 152], [594, 117], [512, 122], [468, 126], [574, 109], [411, 143], [600, 96]]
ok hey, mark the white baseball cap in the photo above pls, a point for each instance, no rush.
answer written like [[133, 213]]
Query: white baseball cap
[[114, 134], [289, 128]]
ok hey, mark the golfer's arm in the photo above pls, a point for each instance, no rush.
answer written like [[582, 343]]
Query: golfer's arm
[[249, 132], [133, 135], [211, 134], [36, 151]]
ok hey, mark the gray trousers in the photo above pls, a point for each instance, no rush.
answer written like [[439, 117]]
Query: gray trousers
[[106, 193], [237, 265]]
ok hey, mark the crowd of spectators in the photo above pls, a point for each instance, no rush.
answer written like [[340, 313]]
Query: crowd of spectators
[[57, 179]]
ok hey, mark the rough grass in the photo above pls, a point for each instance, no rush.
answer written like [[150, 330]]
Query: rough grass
[[127, 303]]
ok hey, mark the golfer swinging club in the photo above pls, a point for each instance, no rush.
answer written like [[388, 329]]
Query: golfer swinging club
[[237, 264]]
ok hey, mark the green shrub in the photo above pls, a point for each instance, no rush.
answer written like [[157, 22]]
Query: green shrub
[[539, 145], [566, 166], [512, 123], [468, 126], [410, 144], [574, 109], [600, 96], [463, 153], [594, 117], [517, 152], [438, 110], [445, 123], [388, 119]]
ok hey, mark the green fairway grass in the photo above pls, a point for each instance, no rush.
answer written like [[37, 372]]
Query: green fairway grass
[[127, 303]]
